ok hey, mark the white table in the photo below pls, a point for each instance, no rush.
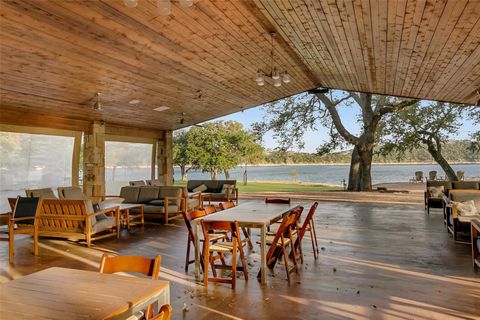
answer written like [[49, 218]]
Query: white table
[[60, 293], [249, 215]]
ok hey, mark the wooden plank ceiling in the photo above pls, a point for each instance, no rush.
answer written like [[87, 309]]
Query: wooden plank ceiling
[[55, 55]]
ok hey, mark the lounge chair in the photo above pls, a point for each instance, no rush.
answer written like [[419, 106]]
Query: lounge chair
[[460, 175], [475, 236], [458, 224], [432, 175], [418, 177], [137, 183], [434, 193]]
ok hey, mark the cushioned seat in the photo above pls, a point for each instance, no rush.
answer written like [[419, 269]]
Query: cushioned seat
[[478, 244], [104, 224]]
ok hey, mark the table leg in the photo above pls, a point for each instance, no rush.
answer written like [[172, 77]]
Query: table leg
[[197, 250], [127, 215], [263, 253]]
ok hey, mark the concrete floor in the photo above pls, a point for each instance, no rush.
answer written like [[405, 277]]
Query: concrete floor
[[377, 261]]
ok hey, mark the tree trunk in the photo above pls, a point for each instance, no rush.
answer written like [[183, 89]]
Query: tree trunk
[[214, 174], [365, 178], [227, 175], [245, 176], [183, 172], [438, 157], [354, 171]]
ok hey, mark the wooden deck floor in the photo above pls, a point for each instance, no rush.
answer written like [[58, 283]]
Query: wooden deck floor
[[377, 262]]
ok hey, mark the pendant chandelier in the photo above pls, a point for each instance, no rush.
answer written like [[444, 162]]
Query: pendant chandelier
[[277, 76], [164, 6]]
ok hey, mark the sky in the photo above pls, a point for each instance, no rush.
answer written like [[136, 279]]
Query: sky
[[315, 138]]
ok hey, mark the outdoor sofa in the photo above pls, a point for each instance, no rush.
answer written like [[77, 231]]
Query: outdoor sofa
[[215, 190], [437, 189], [475, 238], [159, 201], [458, 223]]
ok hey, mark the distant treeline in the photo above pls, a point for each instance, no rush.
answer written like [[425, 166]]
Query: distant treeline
[[455, 151]]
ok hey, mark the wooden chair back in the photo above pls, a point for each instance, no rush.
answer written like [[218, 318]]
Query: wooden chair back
[[286, 226], [210, 209], [418, 175], [192, 215], [53, 209], [26, 207], [208, 226], [279, 201], [164, 314], [227, 205], [137, 264]]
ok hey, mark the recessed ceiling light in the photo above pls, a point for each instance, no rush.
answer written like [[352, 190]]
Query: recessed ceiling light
[[134, 101], [161, 108]]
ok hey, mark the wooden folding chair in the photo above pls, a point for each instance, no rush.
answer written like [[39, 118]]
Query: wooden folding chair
[[246, 233], [234, 247], [308, 225], [22, 220], [164, 314], [188, 217], [137, 264], [279, 242]]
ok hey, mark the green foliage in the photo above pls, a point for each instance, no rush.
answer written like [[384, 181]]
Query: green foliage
[[474, 114], [216, 147]]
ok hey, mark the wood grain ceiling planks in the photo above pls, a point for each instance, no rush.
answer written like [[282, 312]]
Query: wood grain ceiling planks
[[54, 55], [426, 49]]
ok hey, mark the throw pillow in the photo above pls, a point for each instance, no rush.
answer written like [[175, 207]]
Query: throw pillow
[[200, 188], [227, 187], [436, 192], [466, 208]]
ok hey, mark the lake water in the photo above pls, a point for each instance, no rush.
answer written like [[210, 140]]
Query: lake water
[[334, 174]]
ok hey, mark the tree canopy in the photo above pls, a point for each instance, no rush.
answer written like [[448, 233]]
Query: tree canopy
[[430, 124], [216, 147]]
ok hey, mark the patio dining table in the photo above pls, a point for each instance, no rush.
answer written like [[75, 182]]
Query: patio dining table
[[249, 215]]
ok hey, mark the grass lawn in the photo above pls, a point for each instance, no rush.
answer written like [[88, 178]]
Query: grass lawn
[[276, 187]]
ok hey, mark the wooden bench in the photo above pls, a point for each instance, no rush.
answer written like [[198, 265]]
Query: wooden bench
[[70, 219]]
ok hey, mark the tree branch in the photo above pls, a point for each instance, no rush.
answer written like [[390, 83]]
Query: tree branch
[[389, 108], [331, 107]]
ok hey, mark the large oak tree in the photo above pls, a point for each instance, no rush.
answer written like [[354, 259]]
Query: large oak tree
[[289, 119]]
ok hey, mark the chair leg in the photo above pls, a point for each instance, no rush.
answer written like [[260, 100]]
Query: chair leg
[[285, 261], [206, 260], [187, 259], [234, 263], [294, 254], [314, 235], [35, 240], [11, 245], [247, 236], [315, 253], [242, 259], [212, 264]]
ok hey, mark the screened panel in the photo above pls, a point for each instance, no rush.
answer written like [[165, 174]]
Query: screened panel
[[30, 161], [124, 162]]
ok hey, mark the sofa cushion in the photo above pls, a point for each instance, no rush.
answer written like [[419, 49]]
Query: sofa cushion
[[436, 192], [157, 209], [46, 193], [219, 195], [464, 195], [200, 188], [466, 208], [90, 210], [173, 192], [147, 194], [161, 202], [137, 183], [72, 193], [227, 188], [445, 184], [470, 185], [478, 244], [107, 223], [130, 194]]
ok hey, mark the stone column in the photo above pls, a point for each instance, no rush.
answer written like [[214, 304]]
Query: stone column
[[165, 158], [94, 162]]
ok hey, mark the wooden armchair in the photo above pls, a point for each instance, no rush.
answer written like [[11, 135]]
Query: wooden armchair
[[137, 264], [72, 220], [22, 220]]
